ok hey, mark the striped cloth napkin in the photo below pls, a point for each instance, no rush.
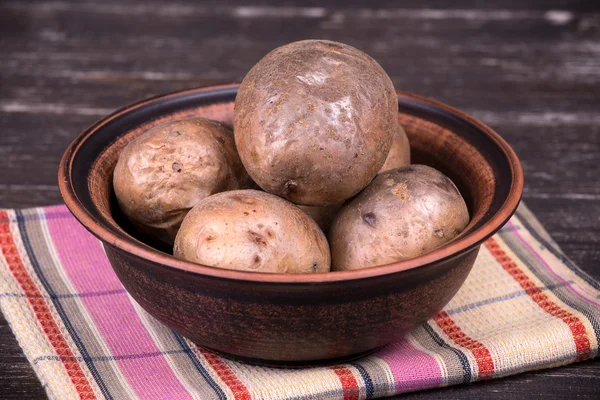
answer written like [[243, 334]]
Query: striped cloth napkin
[[524, 306]]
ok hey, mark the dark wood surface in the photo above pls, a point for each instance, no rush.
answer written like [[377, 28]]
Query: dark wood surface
[[529, 69]]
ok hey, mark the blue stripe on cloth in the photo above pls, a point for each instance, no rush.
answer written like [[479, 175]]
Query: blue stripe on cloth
[[464, 361], [513, 295], [540, 271], [109, 358], [218, 390], [69, 295], [453, 311], [61, 312], [369, 388], [568, 263]]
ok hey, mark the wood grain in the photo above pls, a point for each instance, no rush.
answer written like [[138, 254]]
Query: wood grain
[[530, 69]]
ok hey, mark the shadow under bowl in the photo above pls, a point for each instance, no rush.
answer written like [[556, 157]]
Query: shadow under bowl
[[281, 319]]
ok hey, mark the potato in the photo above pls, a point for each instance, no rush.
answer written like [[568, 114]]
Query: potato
[[323, 216], [403, 213], [399, 155], [163, 173], [250, 230], [314, 121]]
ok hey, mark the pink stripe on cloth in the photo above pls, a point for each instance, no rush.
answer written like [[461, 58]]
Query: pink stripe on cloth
[[413, 369], [87, 267], [545, 264]]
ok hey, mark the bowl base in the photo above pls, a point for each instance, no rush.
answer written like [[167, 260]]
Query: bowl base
[[294, 364]]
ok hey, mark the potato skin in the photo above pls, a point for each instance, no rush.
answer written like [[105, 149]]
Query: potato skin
[[399, 155], [163, 173], [314, 121], [403, 213], [323, 216], [250, 230]]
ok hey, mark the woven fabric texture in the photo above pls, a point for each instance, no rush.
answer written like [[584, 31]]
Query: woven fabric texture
[[524, 306]]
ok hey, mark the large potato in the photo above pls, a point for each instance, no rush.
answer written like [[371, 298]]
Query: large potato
[[250, 230], [163, 173], [402, 214], [314, 121], [399, 155]]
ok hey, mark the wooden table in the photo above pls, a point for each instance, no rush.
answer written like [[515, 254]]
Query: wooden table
[[529, 69]]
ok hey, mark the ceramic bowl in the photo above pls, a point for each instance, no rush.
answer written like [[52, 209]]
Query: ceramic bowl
[[281, 319]]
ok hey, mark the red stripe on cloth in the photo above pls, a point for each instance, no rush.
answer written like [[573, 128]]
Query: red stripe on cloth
[[483, 357], [580, 336], [42, 311], [348, 381], [240, 392]]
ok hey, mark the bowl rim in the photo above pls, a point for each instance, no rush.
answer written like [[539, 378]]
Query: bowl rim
[[453, 249]]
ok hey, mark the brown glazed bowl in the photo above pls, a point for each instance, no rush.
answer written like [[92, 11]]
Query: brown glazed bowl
[[281, 319]]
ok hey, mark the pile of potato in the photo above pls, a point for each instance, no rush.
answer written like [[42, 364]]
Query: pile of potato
[[316, 128]]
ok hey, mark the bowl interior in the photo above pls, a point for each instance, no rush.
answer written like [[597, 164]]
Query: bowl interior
[[480, 163]]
